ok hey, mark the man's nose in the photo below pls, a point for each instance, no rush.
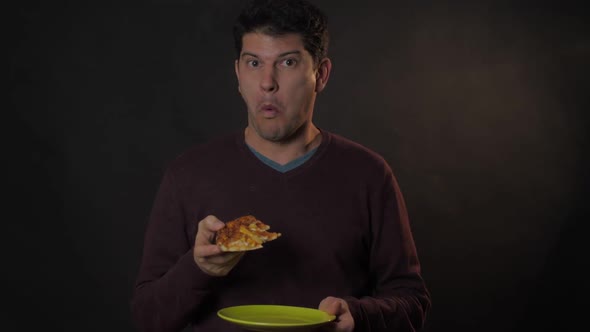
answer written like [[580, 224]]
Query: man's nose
[[268, 82]]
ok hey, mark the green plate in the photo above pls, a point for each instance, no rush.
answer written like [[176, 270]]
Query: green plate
[[274, 317]]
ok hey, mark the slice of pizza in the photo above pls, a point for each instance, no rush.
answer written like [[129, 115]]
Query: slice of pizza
[[244, 233]]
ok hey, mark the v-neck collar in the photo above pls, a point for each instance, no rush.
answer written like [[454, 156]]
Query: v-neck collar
[[288, 166], [258, 163]]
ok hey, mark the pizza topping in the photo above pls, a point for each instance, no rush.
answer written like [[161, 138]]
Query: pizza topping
[[244, 233], [253, 236]]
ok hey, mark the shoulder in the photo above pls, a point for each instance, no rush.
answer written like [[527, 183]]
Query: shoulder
[[361, 162], [355, 154]]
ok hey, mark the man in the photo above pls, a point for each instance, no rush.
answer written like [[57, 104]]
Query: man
[[346, 246]]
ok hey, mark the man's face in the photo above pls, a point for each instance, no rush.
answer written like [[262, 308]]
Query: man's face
[[278, 81]]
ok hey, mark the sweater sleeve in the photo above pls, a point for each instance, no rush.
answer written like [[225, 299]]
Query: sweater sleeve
[[400, 299], [170, 287]]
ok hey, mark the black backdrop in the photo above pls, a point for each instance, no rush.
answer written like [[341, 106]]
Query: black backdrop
[[480, 108]]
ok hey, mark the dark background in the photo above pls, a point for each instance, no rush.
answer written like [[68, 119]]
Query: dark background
[[480, 107]]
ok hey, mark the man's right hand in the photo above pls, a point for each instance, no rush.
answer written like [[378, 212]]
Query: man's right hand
[[207, 254]]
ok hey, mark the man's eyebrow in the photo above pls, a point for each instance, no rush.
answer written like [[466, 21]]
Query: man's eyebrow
[[248, 54], [279, 56], [289, 53]]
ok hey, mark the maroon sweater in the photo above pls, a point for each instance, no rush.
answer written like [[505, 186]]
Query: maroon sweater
[[345, 233]]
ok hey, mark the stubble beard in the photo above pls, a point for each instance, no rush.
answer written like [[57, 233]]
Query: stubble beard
[[278, 133]]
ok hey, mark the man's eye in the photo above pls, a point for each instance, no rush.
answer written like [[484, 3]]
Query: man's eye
[[289, 62], [253, 63]]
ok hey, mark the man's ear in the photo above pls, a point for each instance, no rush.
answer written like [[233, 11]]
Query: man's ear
[[236, 68], [323, 74]]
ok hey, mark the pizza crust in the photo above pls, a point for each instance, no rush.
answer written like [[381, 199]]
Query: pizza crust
[[243, 234]]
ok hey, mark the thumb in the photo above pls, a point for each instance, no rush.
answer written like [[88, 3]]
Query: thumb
[[331, 305], [206, 230]]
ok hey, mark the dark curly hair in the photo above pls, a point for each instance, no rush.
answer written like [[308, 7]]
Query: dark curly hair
[[278, 17]]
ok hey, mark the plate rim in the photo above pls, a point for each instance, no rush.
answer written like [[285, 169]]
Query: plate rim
[[329, 318]]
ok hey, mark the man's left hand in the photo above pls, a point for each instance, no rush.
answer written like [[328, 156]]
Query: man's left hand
[[337, 306]]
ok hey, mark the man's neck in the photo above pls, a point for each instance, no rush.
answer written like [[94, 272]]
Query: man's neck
[[284, 152]]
